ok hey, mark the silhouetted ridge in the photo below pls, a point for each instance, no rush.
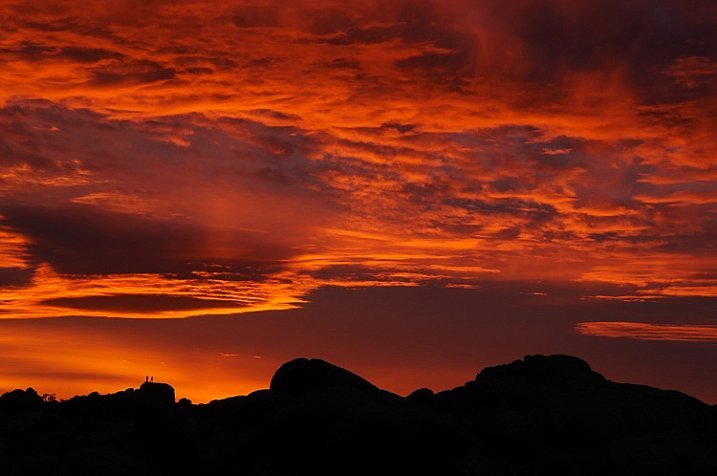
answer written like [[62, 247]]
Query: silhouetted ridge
[[20, 400], [542, 366], [161, 393], [542, 415], [301, 375]]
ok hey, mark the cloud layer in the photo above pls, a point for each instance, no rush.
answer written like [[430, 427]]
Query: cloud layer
[[236, 157]]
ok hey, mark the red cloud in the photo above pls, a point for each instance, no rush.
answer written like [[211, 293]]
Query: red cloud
[[357, 143], [647, 331]]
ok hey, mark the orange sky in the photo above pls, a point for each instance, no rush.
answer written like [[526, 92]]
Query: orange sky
[[173, 159]]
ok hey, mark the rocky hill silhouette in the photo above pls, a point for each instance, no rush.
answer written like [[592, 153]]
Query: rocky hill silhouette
[[543, 415]]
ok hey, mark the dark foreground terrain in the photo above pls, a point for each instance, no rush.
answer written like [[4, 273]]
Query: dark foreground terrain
[[541, 415]]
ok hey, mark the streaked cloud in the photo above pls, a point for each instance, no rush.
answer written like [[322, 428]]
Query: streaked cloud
[[238, 156], [648, 331]]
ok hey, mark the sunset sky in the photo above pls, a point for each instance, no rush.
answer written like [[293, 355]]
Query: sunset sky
[[411, 189]]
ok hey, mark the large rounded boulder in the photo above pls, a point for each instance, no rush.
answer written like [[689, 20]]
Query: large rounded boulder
[[301, 375]]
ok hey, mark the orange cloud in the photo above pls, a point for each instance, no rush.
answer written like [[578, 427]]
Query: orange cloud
[[647, 331], [233, 157]]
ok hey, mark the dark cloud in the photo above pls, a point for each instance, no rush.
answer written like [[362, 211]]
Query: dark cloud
[[452, 69], [185, 59], [618, 179], [130, 73], [10, 277], [510, 184], [80, 239], [87, 55], [641, 37], [34, 52], [51, 138], [271, 114], [51, 25], [702, 240], [342, 64], [353, 34], [256, 16], [508, 233], [80, 54], [397, 126], [510, 206], [198, 70], [140, 303]]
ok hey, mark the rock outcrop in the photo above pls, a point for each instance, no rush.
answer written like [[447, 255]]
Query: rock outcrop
[[302, 375], [542, 415], [157, 393]]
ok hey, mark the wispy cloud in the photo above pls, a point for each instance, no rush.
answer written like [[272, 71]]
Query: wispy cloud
[[259, 147], [647, 331]]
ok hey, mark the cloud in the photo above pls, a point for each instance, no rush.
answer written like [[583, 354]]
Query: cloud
[[15, 276], [123, 73], [256, 16], [647, 331], [139, 303], [401, 143], [31, 52], [79, 239]]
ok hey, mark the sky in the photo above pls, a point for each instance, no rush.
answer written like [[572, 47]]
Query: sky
[[413, 189]]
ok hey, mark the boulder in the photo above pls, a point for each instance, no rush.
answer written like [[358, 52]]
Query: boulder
[[20, 400], [160, 393], [542, 366], [302, 375]]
